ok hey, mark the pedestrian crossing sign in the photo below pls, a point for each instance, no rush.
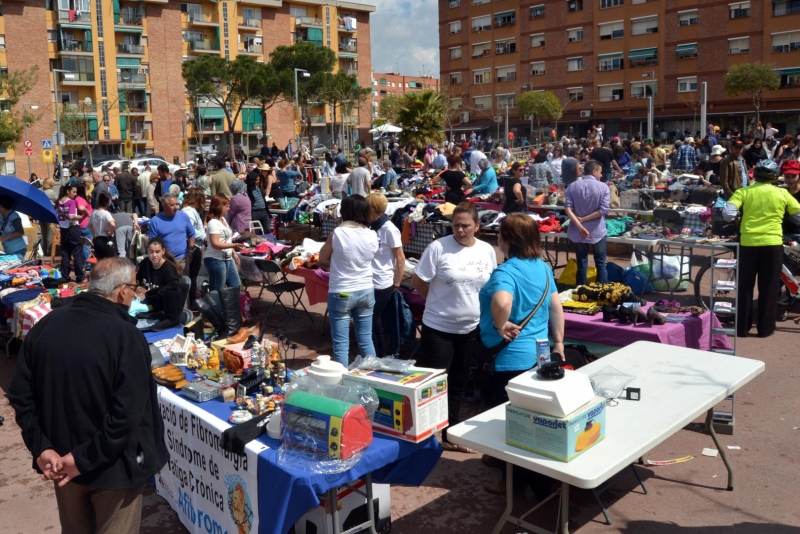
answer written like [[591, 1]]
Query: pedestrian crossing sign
[[47, 144]]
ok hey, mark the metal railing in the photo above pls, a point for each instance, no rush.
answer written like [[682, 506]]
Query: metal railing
[[304, 39], [505, 22], [609, 98], [199, 17], [481, 28], [131, 17], [791, 47], [485, 53], [482, 106], [80, 107], [204, 45], [509, 77], [73, 45], [129, 77], [76, 76], [125, 48], [506, 49], [308, 21], [133, 107], [70, 15], [349, 48], [618, 64], [785, 8]]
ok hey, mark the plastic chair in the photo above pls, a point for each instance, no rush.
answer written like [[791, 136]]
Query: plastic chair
[[256, 225], [274, 281]]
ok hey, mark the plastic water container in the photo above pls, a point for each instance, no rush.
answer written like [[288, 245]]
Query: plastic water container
[[550, 397]]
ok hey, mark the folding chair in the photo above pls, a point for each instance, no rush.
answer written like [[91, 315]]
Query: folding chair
[[669, 219], [33, 249], [274, 281], [256, 228]]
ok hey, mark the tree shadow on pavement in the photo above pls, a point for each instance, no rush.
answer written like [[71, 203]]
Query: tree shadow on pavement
[[655, 527]]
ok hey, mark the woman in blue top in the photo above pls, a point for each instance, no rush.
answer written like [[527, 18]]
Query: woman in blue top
[[287, 179], [487, 181], [11, 232], [511, 293]]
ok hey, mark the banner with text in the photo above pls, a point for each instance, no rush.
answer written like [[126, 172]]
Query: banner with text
[[214, 491]]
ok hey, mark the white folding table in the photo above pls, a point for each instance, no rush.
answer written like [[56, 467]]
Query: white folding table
[[677, 385]]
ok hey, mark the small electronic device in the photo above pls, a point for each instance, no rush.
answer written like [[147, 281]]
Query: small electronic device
[[250, 382], [394, 411], [633, 393], [202, 391]]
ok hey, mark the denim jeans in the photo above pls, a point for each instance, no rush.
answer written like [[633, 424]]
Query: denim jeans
[[582, 257], [87, 251], [221, 274], [358, 305]]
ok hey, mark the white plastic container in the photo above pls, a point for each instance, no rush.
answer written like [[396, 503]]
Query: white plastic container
[[325, 371], [550, 397]]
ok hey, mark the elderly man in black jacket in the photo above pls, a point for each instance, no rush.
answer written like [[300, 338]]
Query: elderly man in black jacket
[[86, 403]]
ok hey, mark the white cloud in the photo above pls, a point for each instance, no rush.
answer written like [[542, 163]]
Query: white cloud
[[405, 37]]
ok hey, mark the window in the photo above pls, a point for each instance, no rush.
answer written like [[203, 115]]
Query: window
[[687, 18], [383, 81], [506, 18], [786, 42], [575, 93], [394, 84], [642, 89], [644, 25], [605, 4], [455, 78], [789, 7], [507, 74], [612, 30], [574, 63], [455, 53], [506, 46], [194, 10], [480, 24], [455, 27], [189, 36], [537, 12], [643, 57], [790, 78], [2, 42], [575, 34], [482, 76], [504, 101], [610, 93], [537, 40], [482, 49], [610, 62], [455, 3], [687, 85], [455, 103], [686, 51], [740, 10], [297, 12], [52, 35], [482, 102], [574, 5], [537, 68], [740, 45], [480, 2]]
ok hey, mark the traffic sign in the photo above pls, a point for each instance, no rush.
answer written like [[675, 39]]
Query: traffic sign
[[28, 151], [28, 143], [128, 148], [184, 145], [47, 144], [47, 156]]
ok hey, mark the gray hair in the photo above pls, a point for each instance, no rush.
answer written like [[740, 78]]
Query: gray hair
[[110, 273], [484, 164], [165, 198], [238, 187]]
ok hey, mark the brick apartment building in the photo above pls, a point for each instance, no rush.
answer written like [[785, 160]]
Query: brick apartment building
[[608, 56], [125, 58], [394, 84]]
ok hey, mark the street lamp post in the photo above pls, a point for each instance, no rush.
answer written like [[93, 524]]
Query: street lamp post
[[58, 116], [650, 101], [305, 74], [26, 105], [87, 107]]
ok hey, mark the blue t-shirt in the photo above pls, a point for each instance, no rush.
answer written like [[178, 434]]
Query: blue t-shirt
[[525, 280], [175, 231], [287, 179]]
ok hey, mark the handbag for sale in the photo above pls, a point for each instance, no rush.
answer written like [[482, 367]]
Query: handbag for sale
[[485, 356]]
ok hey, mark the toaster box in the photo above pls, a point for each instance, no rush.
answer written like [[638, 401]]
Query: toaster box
[[560, 438], [412, 404]]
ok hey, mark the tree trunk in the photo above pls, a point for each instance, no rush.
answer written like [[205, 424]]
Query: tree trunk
[[539, 129]]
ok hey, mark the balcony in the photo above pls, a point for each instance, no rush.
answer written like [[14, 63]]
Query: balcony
[[348, 48], [201, 19], [781, 9], [305, 39], [610, 98], [250, 25], [352, 72], [130, 17], [80, 107], [317, 119], [140, 136], [130, 49], [345, 28], [126, 77], [133, 108], [501, 23], [76, 78], [791, 47], [308, 22], [74, 46], [69, 15], [506, 49], [251, 49], [508, 77], [204, 47]]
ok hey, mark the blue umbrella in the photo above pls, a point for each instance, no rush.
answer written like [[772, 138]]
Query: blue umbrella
[[27, 199]]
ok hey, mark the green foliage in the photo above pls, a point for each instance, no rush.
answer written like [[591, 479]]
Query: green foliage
[[751, 79], [14, 86], [316, 60], [544, 105], [265, 90], [422, 117], [389, 108]]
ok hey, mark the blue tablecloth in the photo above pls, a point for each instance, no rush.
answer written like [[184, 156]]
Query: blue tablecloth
[[284, 495], [23, 295], [154, 337]]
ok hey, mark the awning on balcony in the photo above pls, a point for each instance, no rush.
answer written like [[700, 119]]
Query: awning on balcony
[[686, 48], [788, 72], [76, 25], [643, 53], [211, 113], [128, 62], [345, 55], [504, 14], [614, 55], [128, 30], [251, 119]]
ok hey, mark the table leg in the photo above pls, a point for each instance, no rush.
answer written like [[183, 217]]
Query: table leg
[[370, 506], [710, 426], [564, 508], [333, 498], [509, 498]]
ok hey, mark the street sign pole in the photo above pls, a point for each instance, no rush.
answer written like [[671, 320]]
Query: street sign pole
[[27, 142]]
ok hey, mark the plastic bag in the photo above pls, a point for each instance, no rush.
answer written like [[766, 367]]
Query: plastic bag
[[325, 428], [667, 273], [570, 273], [389, 363], [609, 382], [614, 272], [637, 281]]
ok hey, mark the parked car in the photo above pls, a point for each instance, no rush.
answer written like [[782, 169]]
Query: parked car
[[141, 163], [96, 162], [111, 164], [320, 149]]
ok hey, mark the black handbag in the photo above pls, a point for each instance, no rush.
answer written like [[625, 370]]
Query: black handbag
[[485, 356]]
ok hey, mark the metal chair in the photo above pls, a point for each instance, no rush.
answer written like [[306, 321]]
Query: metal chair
[[274, 281]]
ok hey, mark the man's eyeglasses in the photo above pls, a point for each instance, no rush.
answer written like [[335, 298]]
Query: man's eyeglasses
[[132, 286]]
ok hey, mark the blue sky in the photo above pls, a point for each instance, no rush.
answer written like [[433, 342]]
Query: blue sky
[[405, 37]]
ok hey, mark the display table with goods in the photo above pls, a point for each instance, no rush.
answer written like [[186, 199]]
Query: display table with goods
[[648, 392], [259, 448]]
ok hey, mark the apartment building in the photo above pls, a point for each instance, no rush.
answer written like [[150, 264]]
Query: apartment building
[[124, 60], [395, 84], [605, 57]]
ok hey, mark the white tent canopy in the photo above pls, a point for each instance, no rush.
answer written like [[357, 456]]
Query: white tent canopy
[[386, 128]]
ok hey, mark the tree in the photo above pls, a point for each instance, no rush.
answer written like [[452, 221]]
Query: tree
[[389, 107], [228, 84], [694, 104], [422, 116], [343, 91], [453, 105], [543, 105], [265, 91], [751, 79], [15, 85], [75, 127]]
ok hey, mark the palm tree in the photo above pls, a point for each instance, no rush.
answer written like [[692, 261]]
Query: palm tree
[[422, 116]]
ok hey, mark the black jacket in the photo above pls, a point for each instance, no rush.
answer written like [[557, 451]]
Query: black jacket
[[83, 385]]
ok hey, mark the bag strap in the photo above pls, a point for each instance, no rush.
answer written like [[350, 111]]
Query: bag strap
[[538, 305]]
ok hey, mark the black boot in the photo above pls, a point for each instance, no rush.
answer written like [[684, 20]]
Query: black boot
[[174, 298], [625, 315], [609, 312], [654, 317], [212, 311], [231, 311]]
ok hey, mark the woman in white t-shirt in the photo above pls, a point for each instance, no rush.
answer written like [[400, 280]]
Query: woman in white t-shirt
[[450, 275], [221, 258], [349, 252], [387, 266], [339, 181], [102, 227]]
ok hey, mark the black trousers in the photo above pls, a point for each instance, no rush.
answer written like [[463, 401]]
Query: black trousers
[[382, 299], [71, 246], [194, 269], [264, 218], [442, 350], [764, 263]]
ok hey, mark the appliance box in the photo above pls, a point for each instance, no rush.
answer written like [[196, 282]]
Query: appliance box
[[412, 404]]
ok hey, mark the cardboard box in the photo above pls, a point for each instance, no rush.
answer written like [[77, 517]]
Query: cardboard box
[[560, 438], [296, 233], [412, 404], [352, 511]]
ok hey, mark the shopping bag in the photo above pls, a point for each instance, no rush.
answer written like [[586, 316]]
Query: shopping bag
[[637, 281], [246, 304], [668, 271], [614, 272], [643, 265], [570, 273]]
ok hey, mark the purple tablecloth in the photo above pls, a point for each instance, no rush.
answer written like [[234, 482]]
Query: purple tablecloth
[[693, 332]]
